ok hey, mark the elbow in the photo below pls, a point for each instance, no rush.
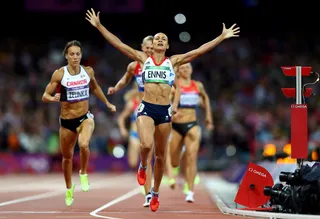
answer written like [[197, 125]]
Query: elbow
[[44, 99], [119, 121]]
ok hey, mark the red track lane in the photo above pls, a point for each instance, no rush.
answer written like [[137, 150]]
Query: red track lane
[[172, 204]]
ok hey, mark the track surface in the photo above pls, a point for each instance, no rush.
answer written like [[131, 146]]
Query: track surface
[[110, 196]]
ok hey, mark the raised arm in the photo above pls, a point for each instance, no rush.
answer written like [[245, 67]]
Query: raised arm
[[206, 105], [125, 80], [181, 59], [97, 91], [52, 86], [94, 19]]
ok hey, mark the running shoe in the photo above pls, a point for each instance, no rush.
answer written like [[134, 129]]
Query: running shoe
[[69, 195], [185, 188], [189, 197], [84, 182], [154, 203], [142, 175], [147, 200], [172, 183], [197, 179]]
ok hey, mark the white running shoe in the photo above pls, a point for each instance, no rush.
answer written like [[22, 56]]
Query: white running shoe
[[147, 200], [189, 197]]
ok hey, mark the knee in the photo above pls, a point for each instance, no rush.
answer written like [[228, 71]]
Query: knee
[[159, 158], [174, 163], [146, 144], [67, 157], [84, 145]]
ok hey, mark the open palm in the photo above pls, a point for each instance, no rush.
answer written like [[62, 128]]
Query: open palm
[[233, 31], [93, 18]]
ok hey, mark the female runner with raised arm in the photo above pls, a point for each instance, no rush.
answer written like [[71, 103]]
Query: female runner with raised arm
[[134, 70], [155, 110]]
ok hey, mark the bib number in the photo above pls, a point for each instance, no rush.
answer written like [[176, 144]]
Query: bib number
[[77, 94], [139, 81], [140, 108], [90, 115]]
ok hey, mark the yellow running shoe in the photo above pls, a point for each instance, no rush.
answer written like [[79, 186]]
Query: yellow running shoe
[[172, 183], [142, 191], [69, 195], [197, 179], [84, 182], [165, 180], [176, 171], [185, 188]]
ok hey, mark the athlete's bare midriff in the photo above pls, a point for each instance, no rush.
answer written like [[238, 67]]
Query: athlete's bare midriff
[[157, 93], [141, 94], [185, 115], [73, 110]]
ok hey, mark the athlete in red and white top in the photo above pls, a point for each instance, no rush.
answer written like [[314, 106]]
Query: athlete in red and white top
[[155, 111], [185, 129], [134, 70], [70, 85]]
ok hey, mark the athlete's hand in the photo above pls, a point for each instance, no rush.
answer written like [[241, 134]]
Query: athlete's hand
[[209, 124], [233, 31], [124, 133], [93, 18], [111, 107], [56, 97], [174, 110], [111, 90]]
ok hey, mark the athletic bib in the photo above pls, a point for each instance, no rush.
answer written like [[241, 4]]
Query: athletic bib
[[75, 88], [162, 73]]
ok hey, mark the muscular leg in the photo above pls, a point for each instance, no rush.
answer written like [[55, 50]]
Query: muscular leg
[[147, 186], [183, 165], [85, 132], [172, 158], [133, 152], [169, 168], [67, 143], [146, 131], [175, 148], [161, 137], [192, 142]]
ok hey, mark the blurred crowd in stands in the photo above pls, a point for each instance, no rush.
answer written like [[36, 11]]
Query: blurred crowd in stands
[[242, 77]]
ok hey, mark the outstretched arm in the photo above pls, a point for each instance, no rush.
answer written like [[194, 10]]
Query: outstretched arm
[[97, 91], [206, 104], [94, 19], [52, 86], [125, 80], [233, 31]]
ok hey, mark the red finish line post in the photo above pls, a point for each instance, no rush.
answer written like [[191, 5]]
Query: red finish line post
[[299, 112]]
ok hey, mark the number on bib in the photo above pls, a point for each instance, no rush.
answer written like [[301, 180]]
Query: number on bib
[[141, 107]]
